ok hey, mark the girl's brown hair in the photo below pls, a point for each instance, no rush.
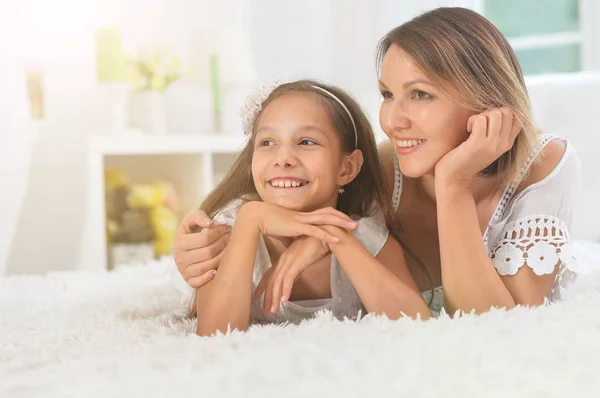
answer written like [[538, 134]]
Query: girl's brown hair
[[365, 194], [465, 54]]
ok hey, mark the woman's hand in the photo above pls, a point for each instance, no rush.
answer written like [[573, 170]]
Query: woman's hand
[[278, 281], [492, 133], [198, 254], [274, 220]]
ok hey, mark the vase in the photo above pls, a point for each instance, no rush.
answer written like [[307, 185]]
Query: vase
[[147, 112]]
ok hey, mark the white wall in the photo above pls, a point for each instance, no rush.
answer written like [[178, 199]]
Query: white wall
[[333, 40], [59, 40]]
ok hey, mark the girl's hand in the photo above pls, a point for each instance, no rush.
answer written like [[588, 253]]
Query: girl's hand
[[278, 281], [492, 133], [274, 220], [198, 254]]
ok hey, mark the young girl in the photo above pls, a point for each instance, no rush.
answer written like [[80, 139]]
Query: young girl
[[311, 151]]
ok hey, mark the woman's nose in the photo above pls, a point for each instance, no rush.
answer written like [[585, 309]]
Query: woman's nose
[[396, 117]]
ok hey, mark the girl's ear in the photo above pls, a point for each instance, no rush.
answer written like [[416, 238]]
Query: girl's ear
[[351, 165]]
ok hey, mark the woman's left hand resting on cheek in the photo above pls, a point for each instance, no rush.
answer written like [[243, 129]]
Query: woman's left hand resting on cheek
[[491, 134]]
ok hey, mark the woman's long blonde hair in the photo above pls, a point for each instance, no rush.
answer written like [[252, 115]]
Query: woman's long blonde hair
[[465, 54]]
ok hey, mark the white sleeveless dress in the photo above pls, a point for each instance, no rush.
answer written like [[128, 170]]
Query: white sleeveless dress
[[344, 302], [530, 228]]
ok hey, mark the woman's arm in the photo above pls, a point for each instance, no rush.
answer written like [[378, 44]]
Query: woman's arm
[[469, 278], [383, 283]]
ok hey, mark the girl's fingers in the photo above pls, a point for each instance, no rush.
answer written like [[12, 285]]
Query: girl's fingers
[[260, 288], [287, 285], [276, 287], [329, 219], [316, 232], [331, 210], [268, 295], [199, 281]]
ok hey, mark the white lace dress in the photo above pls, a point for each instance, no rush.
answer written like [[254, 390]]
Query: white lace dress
[[530, 228], [344, 301]]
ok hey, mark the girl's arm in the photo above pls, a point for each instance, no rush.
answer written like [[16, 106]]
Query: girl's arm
[[225, 302], [383, 283]]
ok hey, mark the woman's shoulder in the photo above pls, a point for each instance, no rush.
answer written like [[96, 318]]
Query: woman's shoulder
[[557, 161]]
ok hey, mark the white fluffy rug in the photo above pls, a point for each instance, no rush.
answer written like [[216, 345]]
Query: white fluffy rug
[[117, 335]]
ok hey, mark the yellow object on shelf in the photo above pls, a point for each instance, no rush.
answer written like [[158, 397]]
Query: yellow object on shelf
[[116, 178], [110, 59]]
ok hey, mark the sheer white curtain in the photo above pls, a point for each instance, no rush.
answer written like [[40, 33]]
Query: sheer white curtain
[[15, 128]]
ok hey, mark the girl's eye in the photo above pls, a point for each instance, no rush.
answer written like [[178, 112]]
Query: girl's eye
[[420, 95], [307, 142], [266, 143], [386, 95]]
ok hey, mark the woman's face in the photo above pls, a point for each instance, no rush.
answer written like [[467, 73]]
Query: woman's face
[[423, 121]]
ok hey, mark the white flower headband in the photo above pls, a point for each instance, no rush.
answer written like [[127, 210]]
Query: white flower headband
[[254, 103]]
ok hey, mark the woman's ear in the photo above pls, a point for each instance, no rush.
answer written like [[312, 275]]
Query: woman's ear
[[351, 166]]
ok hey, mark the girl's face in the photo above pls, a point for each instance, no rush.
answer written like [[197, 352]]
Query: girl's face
[[423, 122], [298, 161]]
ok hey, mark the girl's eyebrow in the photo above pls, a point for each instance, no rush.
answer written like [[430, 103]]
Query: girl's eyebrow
[[299, 129], [265, 128], [310, 127]]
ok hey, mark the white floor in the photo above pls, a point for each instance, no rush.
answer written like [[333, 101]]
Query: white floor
[[117, 335]]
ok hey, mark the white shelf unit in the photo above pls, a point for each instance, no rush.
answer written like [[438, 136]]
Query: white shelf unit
[[148, 152]]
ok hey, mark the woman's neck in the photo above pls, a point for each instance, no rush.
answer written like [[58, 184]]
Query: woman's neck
[[482, 187]]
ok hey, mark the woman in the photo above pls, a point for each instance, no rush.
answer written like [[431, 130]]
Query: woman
[[482, 201]]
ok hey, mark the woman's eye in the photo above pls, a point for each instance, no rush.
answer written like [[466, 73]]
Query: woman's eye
[[307, 142], [420, 95], [386, 95]]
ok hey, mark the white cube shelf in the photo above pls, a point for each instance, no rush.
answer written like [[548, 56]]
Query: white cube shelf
[[193, 162]]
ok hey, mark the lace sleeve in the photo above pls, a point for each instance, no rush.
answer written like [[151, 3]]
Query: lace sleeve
[[535, 228], [540, 242]]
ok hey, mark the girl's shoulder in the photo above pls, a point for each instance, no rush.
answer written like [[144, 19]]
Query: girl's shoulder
[[372, 231]]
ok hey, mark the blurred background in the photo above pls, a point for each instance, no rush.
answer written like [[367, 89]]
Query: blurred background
[[118, 116]]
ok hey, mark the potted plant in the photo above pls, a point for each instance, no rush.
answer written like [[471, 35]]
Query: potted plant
[[152, 72]]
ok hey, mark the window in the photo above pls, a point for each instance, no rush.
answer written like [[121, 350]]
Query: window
[[550, 36]]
